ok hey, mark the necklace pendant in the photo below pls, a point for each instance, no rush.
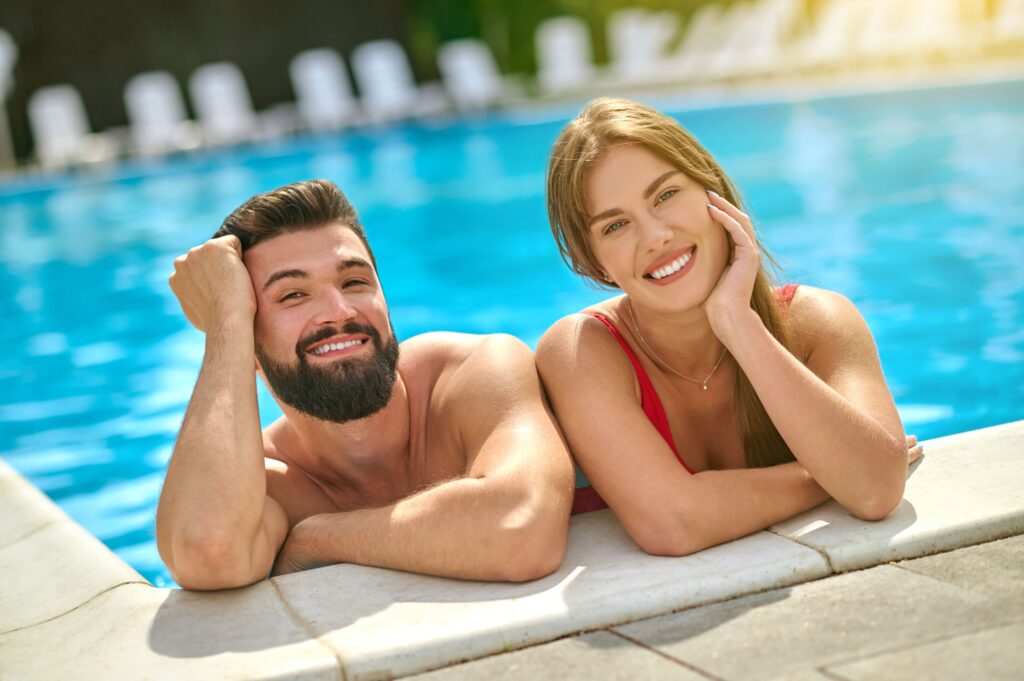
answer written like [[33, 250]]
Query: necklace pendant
[[704, 386]]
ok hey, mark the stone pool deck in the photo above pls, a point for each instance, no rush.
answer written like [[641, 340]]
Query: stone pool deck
[[936, 590]]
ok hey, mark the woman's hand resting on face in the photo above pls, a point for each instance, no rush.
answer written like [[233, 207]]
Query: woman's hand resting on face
[[729, 301]]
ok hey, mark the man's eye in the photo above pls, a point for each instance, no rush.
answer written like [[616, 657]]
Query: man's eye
[[355, 282], [667, 194], [294, 295]]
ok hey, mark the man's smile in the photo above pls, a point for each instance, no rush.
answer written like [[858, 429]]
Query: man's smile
[[338, 346]]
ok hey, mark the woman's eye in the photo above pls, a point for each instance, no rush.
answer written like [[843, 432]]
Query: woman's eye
[[294, 295], [614, 227], [667, 194]]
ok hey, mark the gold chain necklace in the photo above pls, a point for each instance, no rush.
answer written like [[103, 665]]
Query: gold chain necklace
[[703, 384]]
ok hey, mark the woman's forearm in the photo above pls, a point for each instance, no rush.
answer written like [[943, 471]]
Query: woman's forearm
[[714, 507], [853, 456]]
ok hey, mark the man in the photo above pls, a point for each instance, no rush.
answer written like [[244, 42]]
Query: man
[[440, 457]]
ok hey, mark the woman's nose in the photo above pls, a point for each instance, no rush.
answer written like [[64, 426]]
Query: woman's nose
[[654, 233]]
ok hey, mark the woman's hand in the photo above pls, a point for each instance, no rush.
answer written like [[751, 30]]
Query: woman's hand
[[914, 450], [730, 299], [212, 283]]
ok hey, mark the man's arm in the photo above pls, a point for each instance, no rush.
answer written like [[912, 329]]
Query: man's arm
[[216, 526], [505, 519]]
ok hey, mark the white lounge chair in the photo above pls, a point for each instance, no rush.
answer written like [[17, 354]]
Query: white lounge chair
[[888, 30], [61, 130], [638, 42], [1009, 25], [222, 103], [564, 56], [769, 49], [730, 56], [323, 89], [470, 75], [387, 88], [8, 57], [834, 34], [156, 114], [703, 37]]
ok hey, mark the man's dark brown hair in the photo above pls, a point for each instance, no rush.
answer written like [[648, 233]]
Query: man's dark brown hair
[[294, 207]]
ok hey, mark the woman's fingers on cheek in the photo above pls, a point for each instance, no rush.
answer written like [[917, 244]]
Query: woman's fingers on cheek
[[732, 211], [739, 234], [726, 206]]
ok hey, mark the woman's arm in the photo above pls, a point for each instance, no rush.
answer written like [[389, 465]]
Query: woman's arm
[[665, 509], [836, 413]]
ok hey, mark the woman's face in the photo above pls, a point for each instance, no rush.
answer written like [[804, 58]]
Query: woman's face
[[651, 230]]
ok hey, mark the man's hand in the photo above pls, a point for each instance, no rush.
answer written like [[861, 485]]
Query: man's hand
[[212, 284], [294, 556]]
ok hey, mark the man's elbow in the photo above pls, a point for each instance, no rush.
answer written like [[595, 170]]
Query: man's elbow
[[535, 548], [209, 565]]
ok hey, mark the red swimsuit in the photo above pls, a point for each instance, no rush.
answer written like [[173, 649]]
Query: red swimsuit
[[586, 498]]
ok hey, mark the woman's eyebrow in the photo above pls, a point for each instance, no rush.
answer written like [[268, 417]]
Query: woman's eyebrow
[[611, 212], [654, 185]]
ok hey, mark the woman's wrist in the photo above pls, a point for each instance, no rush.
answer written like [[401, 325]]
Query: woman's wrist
[[734, 326]]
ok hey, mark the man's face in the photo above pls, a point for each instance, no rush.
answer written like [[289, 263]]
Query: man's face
[[324, 341]]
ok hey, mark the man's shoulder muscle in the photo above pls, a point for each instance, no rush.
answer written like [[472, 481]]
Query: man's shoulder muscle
[[287, 484]]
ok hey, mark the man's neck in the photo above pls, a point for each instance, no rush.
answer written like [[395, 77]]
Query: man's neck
[[367, 459]]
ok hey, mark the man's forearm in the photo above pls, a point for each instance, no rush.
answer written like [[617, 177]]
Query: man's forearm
[[467, 528], [213, 498]]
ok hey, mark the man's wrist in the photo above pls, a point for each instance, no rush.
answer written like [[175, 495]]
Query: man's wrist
[[236, 327]]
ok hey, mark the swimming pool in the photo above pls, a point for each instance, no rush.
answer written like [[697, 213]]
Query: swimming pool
[[911, 204]]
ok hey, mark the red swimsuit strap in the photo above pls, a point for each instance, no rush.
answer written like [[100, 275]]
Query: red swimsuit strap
[[649, 400], [785, 294]]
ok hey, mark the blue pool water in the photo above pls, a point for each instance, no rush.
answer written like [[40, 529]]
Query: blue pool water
[[911, 204]]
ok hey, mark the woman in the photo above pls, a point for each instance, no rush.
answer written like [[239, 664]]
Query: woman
[[703, 404]]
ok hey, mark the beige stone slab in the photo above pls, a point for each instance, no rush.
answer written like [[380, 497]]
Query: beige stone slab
[[141, 632], [25, 508], [995, 654], [794, 632], [51, 571], [995, 569], [386, 623], [968, 488], [601, 655]]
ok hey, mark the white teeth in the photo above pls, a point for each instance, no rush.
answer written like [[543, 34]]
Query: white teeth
[[672, 267], [336, 346]]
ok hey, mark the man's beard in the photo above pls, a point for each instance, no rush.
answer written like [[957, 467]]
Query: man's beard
[[342, 391]]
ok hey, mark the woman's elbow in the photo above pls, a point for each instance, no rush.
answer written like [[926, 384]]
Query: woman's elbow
[[659, 538], [873, 509], [880, 502]]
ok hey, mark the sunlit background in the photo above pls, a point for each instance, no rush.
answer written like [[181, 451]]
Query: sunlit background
[[877, 142]]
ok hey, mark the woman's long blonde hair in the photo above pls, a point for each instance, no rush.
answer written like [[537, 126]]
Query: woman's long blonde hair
[[607, 122]]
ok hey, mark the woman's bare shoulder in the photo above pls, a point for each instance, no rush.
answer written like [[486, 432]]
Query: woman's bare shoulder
[[823, 319]]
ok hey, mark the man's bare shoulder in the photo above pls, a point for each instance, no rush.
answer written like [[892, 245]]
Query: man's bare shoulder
[[469, 367], [445, 351]]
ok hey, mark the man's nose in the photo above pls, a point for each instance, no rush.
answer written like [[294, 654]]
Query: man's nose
[[334, 306]]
